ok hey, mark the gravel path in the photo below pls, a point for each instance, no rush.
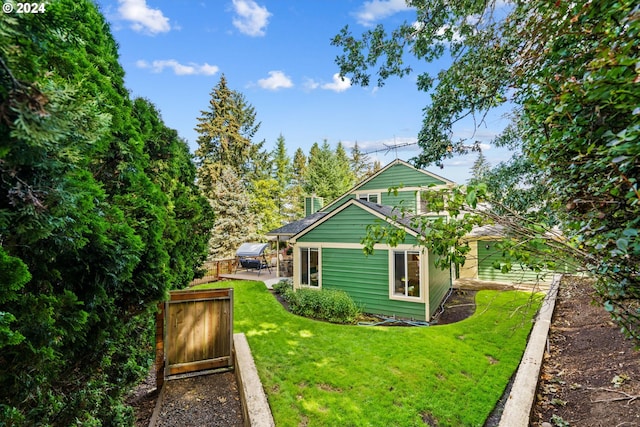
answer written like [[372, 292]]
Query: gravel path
[[208, 400]]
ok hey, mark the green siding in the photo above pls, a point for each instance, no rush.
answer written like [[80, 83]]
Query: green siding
[[339, 203], [400, 175], [312, 204], [347, 226], [439, 284], [404, 199], [395, 176], [488, 254], [366, 280]]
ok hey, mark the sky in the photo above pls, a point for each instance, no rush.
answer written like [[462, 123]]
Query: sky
[[278, 55]]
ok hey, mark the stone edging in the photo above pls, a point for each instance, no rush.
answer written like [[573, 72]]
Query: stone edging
[[517, 409], [255, 407]]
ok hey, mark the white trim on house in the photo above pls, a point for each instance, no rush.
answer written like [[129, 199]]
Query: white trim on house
[[368, 194], [294, 239], [423, 277], [297, 262]]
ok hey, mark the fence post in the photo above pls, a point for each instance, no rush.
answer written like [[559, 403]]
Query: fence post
[[160, 346]]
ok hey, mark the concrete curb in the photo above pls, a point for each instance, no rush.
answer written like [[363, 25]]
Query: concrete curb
[[517, 409], [255, 406]]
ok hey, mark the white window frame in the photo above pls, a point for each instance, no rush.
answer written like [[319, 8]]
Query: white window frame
[[299, 252], [422, 274], [367, 196]]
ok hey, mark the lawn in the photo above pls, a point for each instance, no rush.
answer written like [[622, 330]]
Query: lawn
[[321, 374]]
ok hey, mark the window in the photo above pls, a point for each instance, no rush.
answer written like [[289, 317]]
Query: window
[[371, 197], [309, 267], [406, 274]]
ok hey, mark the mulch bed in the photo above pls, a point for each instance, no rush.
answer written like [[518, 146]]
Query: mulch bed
[[591, 375]]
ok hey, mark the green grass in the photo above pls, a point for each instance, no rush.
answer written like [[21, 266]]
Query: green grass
[[322, 374]]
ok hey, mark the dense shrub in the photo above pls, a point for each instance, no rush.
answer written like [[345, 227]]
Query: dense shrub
[[283, 286], [330, 305]]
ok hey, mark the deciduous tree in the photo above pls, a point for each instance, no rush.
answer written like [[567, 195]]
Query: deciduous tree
[[569, 70]]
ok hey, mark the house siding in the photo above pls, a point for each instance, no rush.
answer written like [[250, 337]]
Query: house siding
[[400, 175], [366, 280], [348, 226], [439, 284], [401, 200], [339, 203], [488, 253], [395, 176]]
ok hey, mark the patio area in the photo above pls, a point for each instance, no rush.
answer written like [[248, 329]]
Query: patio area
[[268, 277]]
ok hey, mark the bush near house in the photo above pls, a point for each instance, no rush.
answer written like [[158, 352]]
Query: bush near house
[[283, 286], [330, 305]]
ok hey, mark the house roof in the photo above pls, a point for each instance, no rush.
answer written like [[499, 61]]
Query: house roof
[[387, 213], [486, 231], [297, 226], [392, 213]]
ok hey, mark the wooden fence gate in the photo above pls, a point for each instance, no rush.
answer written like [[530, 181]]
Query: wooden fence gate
[[194, 332]]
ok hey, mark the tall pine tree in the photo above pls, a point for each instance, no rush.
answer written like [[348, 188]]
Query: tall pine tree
[[360, 163], [235, 221]]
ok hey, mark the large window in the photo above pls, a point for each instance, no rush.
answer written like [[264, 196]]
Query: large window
[[309, 267], [406, 274]]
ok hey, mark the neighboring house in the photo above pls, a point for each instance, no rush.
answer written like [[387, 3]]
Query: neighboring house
[[485, 254], [397, 281]]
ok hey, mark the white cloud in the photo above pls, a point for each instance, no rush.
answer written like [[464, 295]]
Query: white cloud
[[142, 17], [374, 10], [179, 69], [276, 80], [252, 19], [310, 84], [339, 84]]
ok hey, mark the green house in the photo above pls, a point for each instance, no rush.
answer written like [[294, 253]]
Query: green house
[[400, 281]]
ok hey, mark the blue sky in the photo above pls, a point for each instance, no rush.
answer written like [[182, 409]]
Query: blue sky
[[277, 53]]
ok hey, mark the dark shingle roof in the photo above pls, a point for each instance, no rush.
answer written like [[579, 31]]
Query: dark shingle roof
[[394, 214], [295, 227], [391, 213]]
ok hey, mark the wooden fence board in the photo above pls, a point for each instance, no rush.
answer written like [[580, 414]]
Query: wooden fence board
[[194, 331]]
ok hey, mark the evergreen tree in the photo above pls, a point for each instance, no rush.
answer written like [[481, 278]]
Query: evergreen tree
[[190, 217], [264, 206], [225, 130], [480, 168], [360, 162], [376, 166], [235, 222], [346, 177], [224, 143], [327, 176], [282, 170], [283, 173], [298, 178], [83, 223]]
